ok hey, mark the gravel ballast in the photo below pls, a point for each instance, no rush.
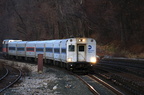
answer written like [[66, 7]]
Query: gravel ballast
[[51, 82]]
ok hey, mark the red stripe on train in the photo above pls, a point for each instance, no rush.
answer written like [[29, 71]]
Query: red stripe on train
[[30, 49], [5, 50]]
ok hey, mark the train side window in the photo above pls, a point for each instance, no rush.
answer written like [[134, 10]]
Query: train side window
[[11, 48], [49, 49], [39, 49], [63, 50], [56, 50], [30, 49], [71, 48], [20, 49]]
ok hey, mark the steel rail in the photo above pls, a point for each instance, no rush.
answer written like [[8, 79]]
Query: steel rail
[[7, 71], [122, 81], [106, 85], [89, 86], [20, 73]]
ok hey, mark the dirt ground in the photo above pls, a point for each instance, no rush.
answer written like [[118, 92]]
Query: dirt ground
[[50, 82]]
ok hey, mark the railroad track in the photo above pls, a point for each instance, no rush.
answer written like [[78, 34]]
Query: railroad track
[[4, 73], [133, 68], [98, 86], [9, 78], [113, 74], [120, 75], [94, 84]]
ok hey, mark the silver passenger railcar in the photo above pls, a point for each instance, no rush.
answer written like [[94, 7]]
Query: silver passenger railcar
[[69, 53]]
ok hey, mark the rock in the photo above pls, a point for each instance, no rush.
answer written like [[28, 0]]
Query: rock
[[55, 87], [57, 92], [28, 90], [45, 84], [68, 86]]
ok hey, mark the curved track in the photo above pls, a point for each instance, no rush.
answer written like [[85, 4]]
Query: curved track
[[126, 75], [11, 77], [4, 73]]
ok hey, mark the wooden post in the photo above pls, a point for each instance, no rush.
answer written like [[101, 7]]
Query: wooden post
[[40, 63]]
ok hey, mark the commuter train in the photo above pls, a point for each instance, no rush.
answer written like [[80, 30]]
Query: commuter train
[[69, 53]]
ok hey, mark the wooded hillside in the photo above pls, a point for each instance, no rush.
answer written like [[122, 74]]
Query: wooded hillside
[[120, 22]]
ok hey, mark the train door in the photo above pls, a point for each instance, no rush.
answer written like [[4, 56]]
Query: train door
[[81, 53]]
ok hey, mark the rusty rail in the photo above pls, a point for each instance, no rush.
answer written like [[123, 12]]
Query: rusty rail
[[106, 85], [4, 80]]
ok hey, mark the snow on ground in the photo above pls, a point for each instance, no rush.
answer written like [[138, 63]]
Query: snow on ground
[[50, 82]]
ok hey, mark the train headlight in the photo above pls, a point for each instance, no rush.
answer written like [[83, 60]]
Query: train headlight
[[93, 60], [81, 40], [69, 59]]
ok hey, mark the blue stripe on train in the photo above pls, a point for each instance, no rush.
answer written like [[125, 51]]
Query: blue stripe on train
[[20, 49], [39, 49]]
